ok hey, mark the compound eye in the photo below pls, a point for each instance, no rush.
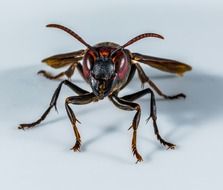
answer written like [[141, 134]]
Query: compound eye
[[120, 62], [88, 64]]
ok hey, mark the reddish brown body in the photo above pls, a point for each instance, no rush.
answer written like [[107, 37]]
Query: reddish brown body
[[108, 67]]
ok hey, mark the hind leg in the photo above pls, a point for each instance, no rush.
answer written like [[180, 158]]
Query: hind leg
[[68, 73]]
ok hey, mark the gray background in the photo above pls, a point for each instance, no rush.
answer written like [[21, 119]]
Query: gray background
[[40, 158]]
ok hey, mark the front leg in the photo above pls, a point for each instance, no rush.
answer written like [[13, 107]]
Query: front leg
[[130, 106], [77, 100], [144, 78], [53, 103]]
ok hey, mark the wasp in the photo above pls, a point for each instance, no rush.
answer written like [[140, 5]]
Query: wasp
[[108, 68]]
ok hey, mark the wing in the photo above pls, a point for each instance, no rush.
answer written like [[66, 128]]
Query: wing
[[65, 59], [162, 64]]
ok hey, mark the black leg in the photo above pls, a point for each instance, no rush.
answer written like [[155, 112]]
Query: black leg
[[68, 73], [78, 100], [53, 102], [144, 78], [130, 106], [153, 115]]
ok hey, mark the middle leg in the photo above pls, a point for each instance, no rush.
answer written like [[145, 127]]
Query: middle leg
[[153, 115], [144, 78]]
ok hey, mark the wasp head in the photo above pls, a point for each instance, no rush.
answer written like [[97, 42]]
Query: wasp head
[[102, 76], [102, 70]]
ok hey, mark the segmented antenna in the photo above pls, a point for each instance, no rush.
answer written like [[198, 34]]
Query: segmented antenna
[[141, 36], [72, 33], [137, 38]]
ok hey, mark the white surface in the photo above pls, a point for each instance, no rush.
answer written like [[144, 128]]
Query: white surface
[[40, 158]]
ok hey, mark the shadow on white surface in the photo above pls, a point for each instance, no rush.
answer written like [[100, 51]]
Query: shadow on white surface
[[22, 88]]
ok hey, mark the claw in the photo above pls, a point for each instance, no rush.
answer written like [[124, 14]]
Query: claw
[[76, 147], [181, 95], [40, 72], [138, 157], [23, 126], [139, 160], [136, 154], [171, 146]]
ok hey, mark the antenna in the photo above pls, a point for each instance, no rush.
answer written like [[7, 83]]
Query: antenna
[[72, 33], [137, 38]]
